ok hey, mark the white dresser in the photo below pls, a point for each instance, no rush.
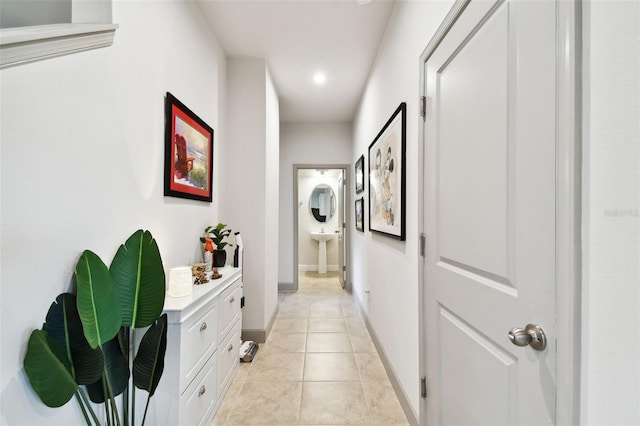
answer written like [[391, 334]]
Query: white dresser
[[203, 338]]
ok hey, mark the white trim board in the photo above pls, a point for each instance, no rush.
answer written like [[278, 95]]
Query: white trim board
[[29, 44]]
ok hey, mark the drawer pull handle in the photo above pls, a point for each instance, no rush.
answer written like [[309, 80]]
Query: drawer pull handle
[[230, 348], [233, 299], [202, 390], [203, 327]]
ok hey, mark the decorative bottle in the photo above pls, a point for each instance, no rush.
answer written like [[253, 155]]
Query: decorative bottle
[[208, 253]]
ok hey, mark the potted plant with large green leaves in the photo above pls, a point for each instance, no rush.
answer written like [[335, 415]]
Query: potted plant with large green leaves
[[86, 339], [217, 234]]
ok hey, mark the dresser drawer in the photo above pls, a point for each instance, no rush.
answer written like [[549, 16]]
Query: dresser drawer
[[229, 307], [201, 396], [228, 356], [188, 392], [199, 339]]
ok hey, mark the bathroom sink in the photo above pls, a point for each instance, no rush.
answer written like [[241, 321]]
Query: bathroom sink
[[323, 236]]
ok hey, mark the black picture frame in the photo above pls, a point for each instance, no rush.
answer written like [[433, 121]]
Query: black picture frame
[[188, 161], [359, 173], [387, 177], [359, 210]]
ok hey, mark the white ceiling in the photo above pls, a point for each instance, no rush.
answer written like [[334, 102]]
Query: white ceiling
[[297, 38]]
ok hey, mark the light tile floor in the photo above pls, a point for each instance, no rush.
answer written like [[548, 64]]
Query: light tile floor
[[318, 367]]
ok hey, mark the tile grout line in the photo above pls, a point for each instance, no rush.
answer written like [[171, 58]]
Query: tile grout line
[[304, 363], [308, 302]]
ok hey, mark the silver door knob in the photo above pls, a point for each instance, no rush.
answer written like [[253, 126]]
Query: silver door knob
[[531, 335]]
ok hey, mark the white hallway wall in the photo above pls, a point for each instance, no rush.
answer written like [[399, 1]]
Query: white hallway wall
[[305, 143], [82, 159], [251, 160], [611, 214], [272, 192], [389, 268]]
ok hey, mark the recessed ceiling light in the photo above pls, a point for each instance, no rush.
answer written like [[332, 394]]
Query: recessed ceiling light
[[319, 78]]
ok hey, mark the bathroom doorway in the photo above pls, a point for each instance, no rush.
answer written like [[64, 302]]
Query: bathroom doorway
[[320, 225]]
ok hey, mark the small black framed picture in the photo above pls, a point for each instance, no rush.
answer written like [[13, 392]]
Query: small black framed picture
[[360, 214], [360, 175]]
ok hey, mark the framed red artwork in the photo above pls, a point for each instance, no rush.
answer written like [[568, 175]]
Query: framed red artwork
[[188, 164]]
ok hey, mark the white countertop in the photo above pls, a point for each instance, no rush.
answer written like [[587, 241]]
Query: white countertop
[[179, 308]]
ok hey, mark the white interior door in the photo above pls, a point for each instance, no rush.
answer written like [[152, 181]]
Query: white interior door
[[490, 211]]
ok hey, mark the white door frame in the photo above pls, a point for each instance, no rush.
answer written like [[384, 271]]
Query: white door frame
[[345, 230], [568, 205]]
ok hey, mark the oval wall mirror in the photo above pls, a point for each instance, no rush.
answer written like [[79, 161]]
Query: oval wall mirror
[[322, 203]]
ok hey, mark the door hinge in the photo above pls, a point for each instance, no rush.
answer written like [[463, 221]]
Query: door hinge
[[344, 268], [423, 106], [423, 244], [423, 387]]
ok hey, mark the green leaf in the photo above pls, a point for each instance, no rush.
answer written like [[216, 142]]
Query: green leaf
[[117, 369], [98, 303], [138, 273], [149, 362], [63, 325], [49, 370], [218, 234]]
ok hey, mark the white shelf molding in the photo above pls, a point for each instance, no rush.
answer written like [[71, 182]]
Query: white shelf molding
[[28, 44]]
